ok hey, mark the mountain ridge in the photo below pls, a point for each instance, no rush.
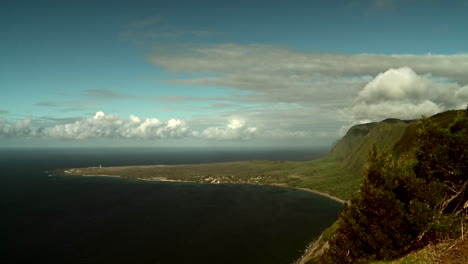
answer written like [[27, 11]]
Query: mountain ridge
[[401, 141]]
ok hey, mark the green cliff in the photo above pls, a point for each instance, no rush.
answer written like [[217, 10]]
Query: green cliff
[[413, 195]]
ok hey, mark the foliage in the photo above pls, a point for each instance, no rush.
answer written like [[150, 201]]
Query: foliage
[[404, 205]]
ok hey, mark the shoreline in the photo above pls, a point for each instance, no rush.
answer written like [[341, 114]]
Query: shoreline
[[276, 185], [311, 191], [310, 250], [321, 193], [163, 179]]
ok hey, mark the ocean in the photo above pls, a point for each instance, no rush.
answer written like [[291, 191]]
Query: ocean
[[64, 219]]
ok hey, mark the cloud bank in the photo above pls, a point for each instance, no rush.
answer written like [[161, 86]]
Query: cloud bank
[[114, 126], [357, 87], [236, 129], [102, 125], [272, 93], [404, 94], [20, 128]]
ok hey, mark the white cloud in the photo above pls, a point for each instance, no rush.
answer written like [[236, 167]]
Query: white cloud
[[135, 119], [402, 93], [108, 126], [99, 114], [263, 61], [114, 126], [235, 129], [318, 87], [236, 123], [272, 74], [396, 85], [20, 128], [363, 113], [462, 94], [282, 93]]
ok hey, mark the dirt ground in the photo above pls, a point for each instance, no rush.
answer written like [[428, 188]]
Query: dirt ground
[[452, 253]]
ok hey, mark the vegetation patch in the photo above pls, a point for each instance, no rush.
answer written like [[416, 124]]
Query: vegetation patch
[[404, 205]]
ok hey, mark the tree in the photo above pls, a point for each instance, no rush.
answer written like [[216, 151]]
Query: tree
[[404, 205], [373, 224]]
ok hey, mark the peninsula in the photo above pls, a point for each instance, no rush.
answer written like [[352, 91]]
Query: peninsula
[[337, 175], [277, 173]]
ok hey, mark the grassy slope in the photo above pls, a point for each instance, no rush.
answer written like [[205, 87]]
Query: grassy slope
[[446, 252], [340, 173], [353, 149], [328, 175]]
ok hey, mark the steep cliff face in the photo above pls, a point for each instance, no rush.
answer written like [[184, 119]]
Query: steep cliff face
[[353, 148], [340, 173], [394, 135]]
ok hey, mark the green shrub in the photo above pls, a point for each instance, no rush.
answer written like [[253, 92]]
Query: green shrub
[[403, 206]]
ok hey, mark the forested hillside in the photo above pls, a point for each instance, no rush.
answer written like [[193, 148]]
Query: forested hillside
[[413, 194]]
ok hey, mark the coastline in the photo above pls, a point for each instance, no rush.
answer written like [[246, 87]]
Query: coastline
[[313, 191], [163, 179], [309, 252]]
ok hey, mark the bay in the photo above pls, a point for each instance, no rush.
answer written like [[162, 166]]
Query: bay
[[50, 219]]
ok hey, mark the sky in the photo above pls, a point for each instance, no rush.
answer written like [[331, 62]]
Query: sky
[[224, 73]]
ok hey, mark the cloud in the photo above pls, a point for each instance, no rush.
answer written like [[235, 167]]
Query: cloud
[[156, 28], [235, 129], [462, 93], [182, 99], [272, 74], [395, 85], [114, 126], [402, 93], [267, 61], [362, 113], [315, 88], [66, 106], [110, 95], [106, 94], [267, 76], [271, 92], [47, 104], [2, 112], [108, 126], [21, 128]]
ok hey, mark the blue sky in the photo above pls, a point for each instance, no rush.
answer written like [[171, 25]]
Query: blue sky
[[224, 73]]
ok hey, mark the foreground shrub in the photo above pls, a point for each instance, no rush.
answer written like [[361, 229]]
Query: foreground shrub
[[403, 205]]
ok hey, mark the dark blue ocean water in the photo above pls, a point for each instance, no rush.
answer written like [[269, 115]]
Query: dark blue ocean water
[[50, 219]]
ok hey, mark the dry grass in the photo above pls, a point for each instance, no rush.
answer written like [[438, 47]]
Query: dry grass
[[450, 251]]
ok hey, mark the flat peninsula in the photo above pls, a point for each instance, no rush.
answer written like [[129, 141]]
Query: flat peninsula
[[277, 173]]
